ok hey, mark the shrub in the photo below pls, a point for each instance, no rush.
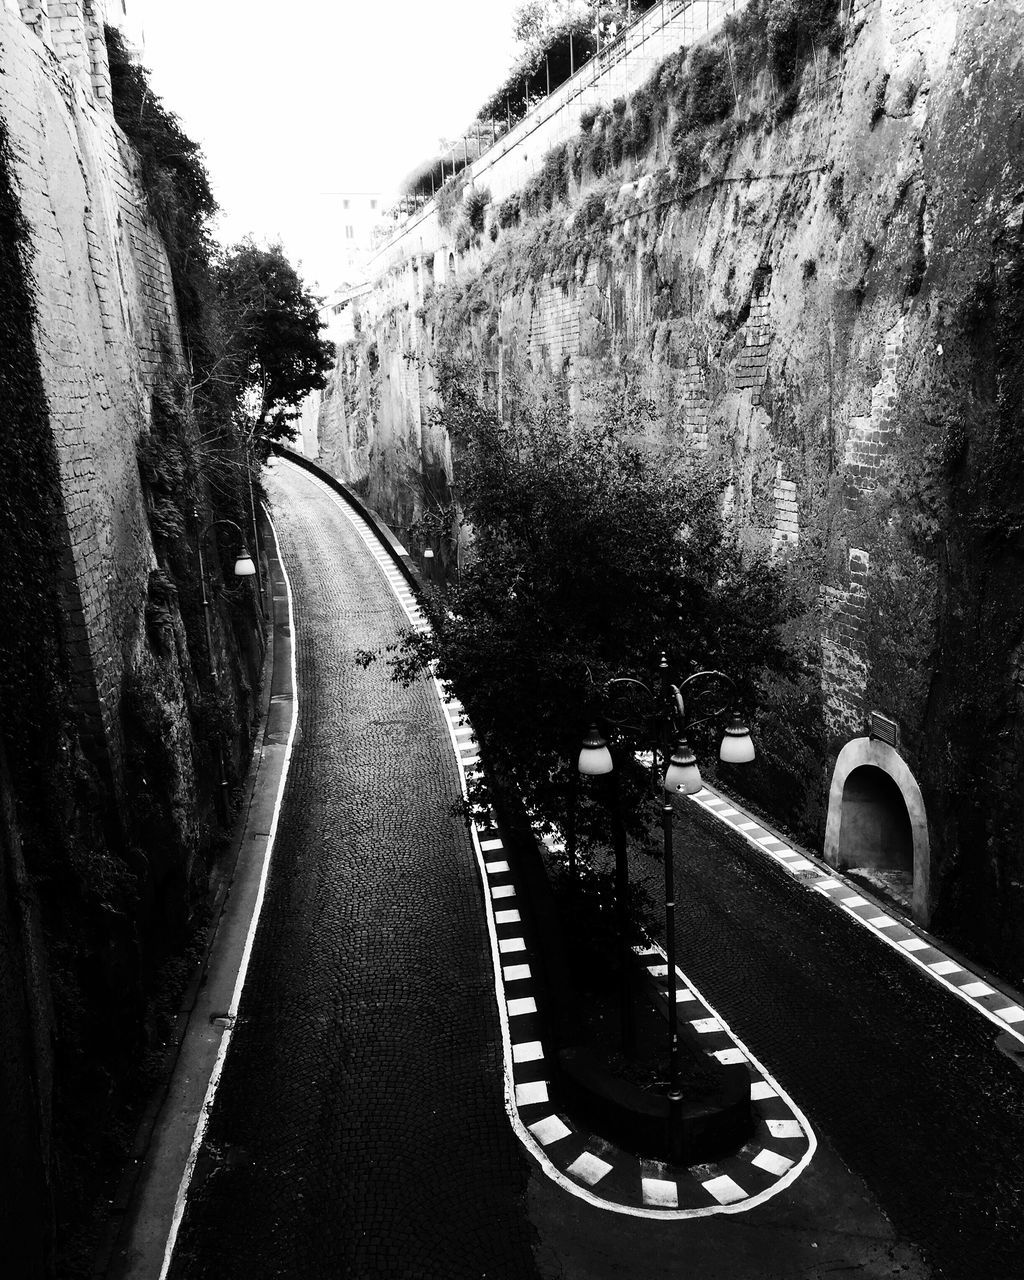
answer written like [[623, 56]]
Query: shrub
[[710, 96], [508, 212], [477, 200]]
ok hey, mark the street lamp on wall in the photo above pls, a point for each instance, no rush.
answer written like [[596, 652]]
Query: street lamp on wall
[[245, 567], [656, 720]]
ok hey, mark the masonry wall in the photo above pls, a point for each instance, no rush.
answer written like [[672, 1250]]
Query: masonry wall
[[131, 732], [828, 314], [106, 325]]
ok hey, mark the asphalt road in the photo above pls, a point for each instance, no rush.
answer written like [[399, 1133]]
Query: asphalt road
[[359, 1129]]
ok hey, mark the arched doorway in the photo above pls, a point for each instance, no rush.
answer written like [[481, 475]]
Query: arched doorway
[[875, 832], [877, 823]]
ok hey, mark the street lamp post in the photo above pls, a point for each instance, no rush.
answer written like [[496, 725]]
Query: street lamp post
[[244, 568], [662, 725]]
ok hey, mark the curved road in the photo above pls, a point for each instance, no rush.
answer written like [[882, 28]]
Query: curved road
[[359, 1128]]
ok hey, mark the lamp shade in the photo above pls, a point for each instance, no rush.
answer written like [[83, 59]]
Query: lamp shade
[[244, 567], [595, 758], [737, 747], [682, 774]]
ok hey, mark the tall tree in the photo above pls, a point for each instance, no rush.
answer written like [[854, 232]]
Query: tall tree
[[272, 328]]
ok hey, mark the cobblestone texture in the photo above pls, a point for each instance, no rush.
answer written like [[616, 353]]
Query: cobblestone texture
[[359, 1128], [902, 1079]]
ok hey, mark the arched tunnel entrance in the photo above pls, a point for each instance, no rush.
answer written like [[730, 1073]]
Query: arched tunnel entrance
[[877, 825], [875, 832]]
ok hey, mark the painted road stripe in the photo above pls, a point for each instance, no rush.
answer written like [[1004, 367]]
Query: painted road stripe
[[497, 868], [829, 884], [761, 1089], [528, 1051], [945, 967], [784, 1129], [728, 1057], [1013, 1013], [521, 1005], [503, 891], [660, 1192], [534, 1091], [771, 1162], [516, 972], [506, 917], [549, 1130], [976, 989], [882, 922], [855, 901], [507, 945], [914, 944], [724, 1189], [589, 1168], [706, 1025]]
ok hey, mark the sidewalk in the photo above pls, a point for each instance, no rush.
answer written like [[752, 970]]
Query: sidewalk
[[150, 1200]]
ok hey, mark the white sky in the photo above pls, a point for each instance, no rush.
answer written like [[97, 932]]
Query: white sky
[[292, 101]]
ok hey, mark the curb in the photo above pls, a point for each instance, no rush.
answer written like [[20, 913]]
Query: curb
[[783, 1142]]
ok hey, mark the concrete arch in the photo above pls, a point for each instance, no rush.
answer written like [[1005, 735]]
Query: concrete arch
[[867, 754]]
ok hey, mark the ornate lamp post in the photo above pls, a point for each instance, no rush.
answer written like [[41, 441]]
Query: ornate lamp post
[[655, 717], [244, 568]]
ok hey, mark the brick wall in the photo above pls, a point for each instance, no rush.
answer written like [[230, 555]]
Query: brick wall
[[106, 320]]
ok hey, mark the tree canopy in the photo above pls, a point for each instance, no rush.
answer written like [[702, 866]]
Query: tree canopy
[[272, 336], [595, 546]]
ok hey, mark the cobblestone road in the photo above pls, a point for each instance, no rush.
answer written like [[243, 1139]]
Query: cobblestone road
[[359, 1128], [902, 1079]]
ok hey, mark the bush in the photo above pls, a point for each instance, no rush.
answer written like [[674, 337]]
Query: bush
[[710, 97], [508, 212], [477, 200]]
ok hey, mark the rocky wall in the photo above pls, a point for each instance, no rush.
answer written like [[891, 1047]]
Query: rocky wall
[[819, 292], [123, 727]]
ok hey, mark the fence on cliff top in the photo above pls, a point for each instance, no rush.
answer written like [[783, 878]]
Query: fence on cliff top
[[618, 69]]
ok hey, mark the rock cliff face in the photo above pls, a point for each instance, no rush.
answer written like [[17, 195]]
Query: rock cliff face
[[816, 273], [114, 738]]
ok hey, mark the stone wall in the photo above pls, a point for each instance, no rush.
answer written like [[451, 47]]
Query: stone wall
[[819, 316], [107, 324], [126, 717]]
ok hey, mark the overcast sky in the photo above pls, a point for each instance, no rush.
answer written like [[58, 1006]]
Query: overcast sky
[[293, 101]]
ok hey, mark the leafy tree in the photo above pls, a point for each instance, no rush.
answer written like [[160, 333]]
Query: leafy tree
[[273, 348], [595, 546]]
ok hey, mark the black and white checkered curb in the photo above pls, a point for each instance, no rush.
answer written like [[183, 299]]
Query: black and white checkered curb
[[583, 1164]]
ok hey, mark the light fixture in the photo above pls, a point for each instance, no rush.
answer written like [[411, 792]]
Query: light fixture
[[682, 774], [595, 758], [244, 567], [737, 747]]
